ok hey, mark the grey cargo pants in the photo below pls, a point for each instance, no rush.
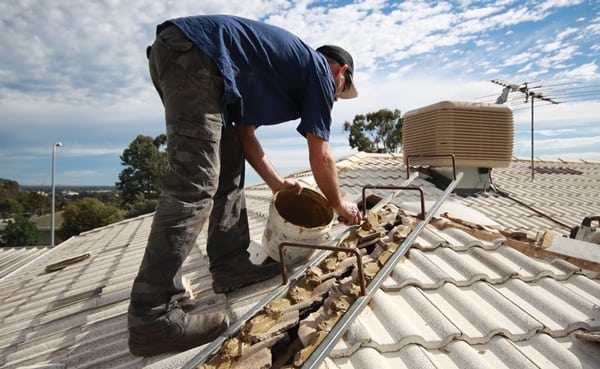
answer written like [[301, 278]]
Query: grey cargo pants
[[204, 179]]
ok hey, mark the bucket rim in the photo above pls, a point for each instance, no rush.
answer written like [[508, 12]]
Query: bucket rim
[[321, 199]]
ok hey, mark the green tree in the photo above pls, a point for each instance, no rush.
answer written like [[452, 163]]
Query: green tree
[[10, 194], [9, 186], [36, 203], [379, 131], [20, 232], [10, 207], [145, 165], [141, 206], [15, 201], [85, 214]]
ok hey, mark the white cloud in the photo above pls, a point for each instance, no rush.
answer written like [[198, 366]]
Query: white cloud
[[579, 114], [76, 71], [79, 173], [567, 32], [549, 4], [585, 72], [33, 152], [564, 144], [554, 132]]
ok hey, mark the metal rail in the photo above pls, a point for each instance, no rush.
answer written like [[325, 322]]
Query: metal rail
[[342, 325], [361, 274], [451, 156]]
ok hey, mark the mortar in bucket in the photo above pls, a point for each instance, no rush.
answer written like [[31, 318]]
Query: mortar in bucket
[[304, 218]]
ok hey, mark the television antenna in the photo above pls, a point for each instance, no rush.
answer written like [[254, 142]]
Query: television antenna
[[529, 93]]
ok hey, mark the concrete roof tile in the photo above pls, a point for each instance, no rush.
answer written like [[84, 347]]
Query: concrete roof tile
[[540, 351], [554, 304], [480, 313]]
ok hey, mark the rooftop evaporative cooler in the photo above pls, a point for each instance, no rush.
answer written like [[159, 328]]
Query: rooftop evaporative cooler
[[480, 136]]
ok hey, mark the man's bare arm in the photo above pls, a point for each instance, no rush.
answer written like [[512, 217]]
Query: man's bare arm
[[323, 167], [257, 158]]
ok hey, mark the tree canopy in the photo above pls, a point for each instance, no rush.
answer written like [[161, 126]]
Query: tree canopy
[[19, 232], [144, 165], [14, 201], [379, 131], [86, 214]]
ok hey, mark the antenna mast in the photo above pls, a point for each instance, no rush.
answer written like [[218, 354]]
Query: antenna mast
[[528, 92]]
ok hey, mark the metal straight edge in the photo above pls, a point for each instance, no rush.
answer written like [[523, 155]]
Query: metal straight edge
[[342, 325], [213, 348]]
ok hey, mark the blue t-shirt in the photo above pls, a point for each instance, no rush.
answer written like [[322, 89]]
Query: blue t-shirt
[[270, 75]]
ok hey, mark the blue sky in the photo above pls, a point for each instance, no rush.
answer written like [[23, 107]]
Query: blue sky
[[76, 72]]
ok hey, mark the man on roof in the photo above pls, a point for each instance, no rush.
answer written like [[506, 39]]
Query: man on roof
[[219, 78]]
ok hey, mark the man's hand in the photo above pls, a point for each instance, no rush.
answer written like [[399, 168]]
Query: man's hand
[[289, 183], [349, 213]]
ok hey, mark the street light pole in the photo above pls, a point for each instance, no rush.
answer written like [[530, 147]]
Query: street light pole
[[532, 155], [56, 144]]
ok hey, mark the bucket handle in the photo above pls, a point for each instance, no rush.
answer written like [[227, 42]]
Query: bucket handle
[[361, 274]]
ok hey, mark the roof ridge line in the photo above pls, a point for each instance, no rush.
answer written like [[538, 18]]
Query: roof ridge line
[[557, 160]]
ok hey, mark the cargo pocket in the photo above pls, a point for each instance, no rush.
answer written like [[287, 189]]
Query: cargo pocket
[[194, 150], [176, 46]]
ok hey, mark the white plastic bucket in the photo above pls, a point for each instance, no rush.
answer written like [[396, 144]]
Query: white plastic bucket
[[304, 218]]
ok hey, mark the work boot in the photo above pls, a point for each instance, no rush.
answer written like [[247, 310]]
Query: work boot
[[176, 332], [190, 305], [242, 273]]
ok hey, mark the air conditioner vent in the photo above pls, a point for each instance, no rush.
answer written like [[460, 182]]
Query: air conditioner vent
[[479, 135]]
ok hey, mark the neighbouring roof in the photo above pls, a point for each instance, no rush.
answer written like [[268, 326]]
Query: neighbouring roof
[[457, 300], [13, 258]]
